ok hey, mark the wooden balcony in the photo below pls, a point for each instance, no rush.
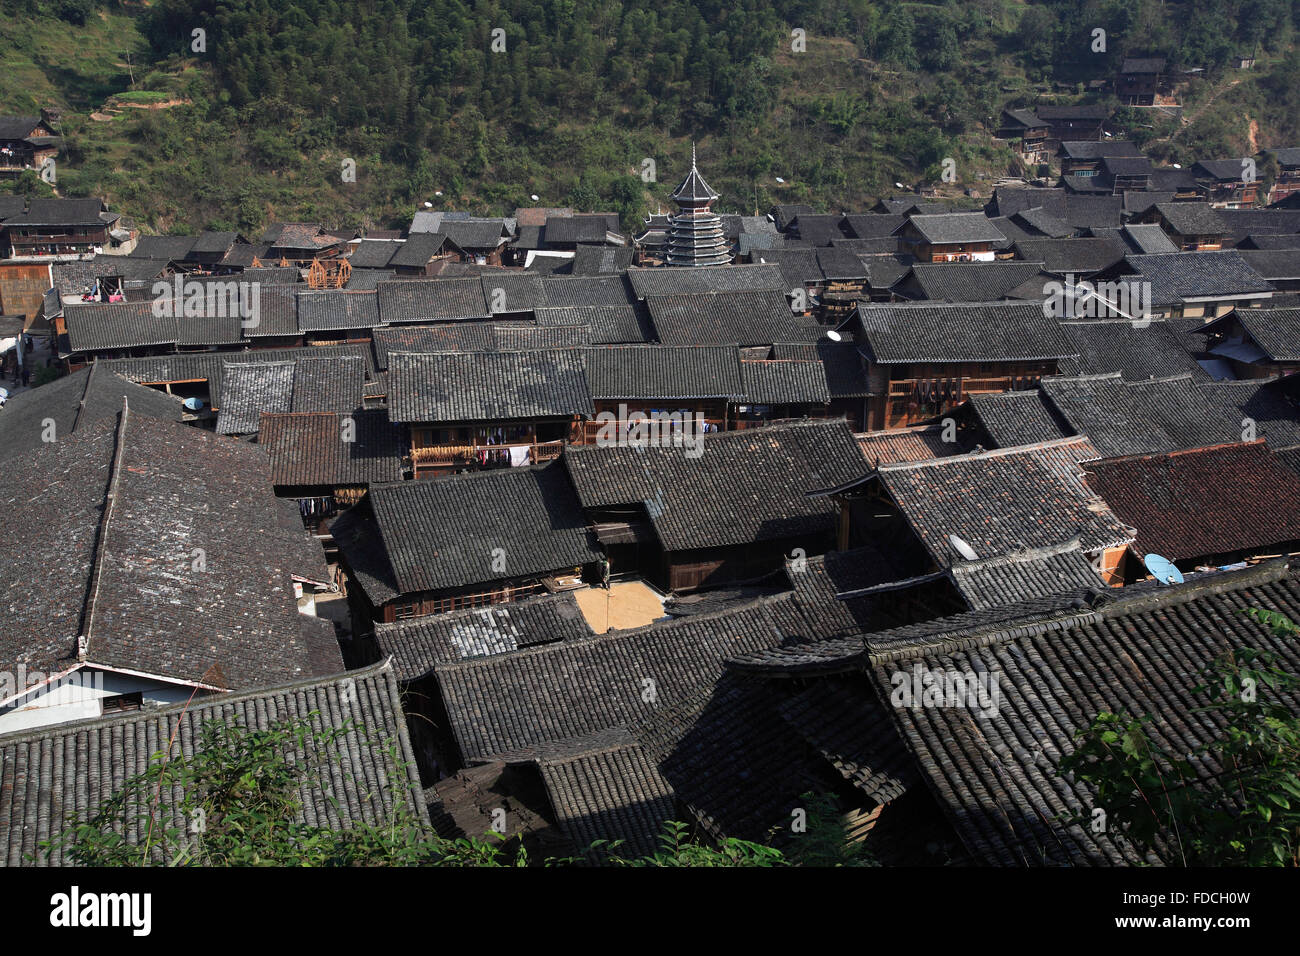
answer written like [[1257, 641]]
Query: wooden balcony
[[458, 455]]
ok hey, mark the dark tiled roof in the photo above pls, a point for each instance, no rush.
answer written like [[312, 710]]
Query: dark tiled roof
[[1136, 351], [1008, 201], [337, 309], [968, 332], [510, 291], [1210, 501], [1003, 501], [1086, 212], [174, 495], [1274, 263], [464, 530], [1192, 218], [570, 689], [723, 318], [373, 253], [331, 384], [1134, 418], [996, 775], [209, 366], [590, 260], [1263, 401], [1275, 331], [277, 311], [164, 247], [1185, 275], [663, 372], [785, 382], [672, 280], [446, 337], [1089, 149], [580, 228], [321, 448], [846, 376], [46, 775], [609, 324], [429, 300], [420, 644], [1148, 238], [956, 227], [487, 386], [582, 291], [472, 234], [417, 250], [746, 486], [1010, 579], [60, 212], [919, 443], [73, 402], [972, 281], [1078, 256], [874, 225], [114, 325], [610, 792], [1017, 418], [527, 336]]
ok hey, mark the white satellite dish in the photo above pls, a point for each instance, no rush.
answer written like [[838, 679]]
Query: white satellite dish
[[534, 197], [899, 186], [428, 205], [962, 548], [779, 179], [834, 336], [438, 193], [1178, 165]]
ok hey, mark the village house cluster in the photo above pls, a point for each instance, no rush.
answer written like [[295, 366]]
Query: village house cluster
[[604, 530]]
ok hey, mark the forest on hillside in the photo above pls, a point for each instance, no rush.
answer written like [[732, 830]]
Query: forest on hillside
[[489, 102]]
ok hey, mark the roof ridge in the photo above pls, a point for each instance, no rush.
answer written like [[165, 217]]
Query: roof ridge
[[1175, 452], [991, 453], [85, 394], [199, 703], [87, 622]]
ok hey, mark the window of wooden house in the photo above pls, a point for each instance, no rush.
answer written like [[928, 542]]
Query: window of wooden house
[[121, 703], [403, 612]]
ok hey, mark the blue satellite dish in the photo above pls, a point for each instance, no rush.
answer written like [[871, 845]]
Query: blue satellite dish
[[1162, 569], [194, 404]]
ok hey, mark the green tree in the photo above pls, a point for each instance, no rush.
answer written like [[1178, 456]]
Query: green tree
[[1234, 801]]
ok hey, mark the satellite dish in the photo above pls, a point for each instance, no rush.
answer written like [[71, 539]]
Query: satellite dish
[[534, 197], [429, 205], [1162, 569], [899, 186], [962, 548], [1178, 165], [779, 179], [194, 404], [834, 336], [438, 193]]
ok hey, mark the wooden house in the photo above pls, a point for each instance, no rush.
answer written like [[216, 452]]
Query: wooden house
[[1029, 130], [1256, 343], [26, 142], [1084, 158], [1192, 227], [187, 521], [1223, 184], [59, 229], [1191, 285], [1288, 174], [479, 410], [730, 513], [481, 241], [426, 547], [924, 359], [1086, 121], [1141, 82], [950, 237], [996, 503]]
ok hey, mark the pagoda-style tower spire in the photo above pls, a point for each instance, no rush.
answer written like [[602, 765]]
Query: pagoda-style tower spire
[[695, 233]]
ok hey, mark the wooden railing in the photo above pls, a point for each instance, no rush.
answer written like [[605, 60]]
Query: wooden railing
[[465, 454]]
